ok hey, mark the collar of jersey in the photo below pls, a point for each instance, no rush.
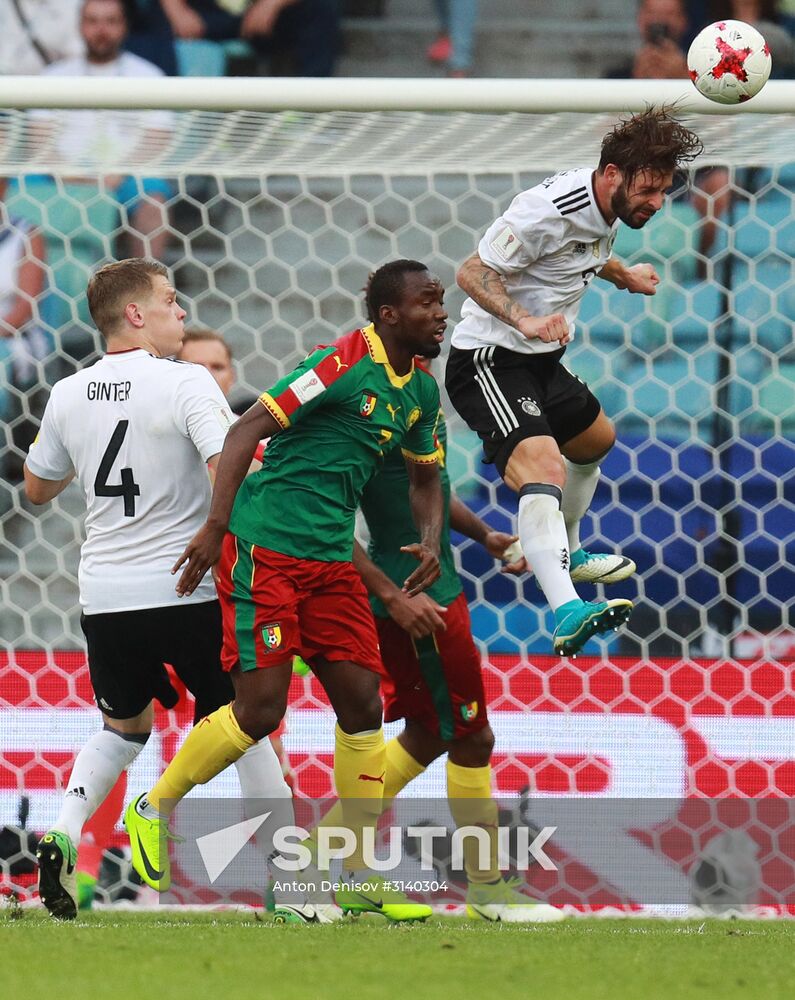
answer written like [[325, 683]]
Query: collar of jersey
[[378, 353]]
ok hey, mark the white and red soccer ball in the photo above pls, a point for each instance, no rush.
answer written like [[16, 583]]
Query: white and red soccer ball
[[729, 62]]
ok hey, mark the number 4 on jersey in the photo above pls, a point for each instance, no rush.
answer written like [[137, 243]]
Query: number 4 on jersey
[[127, 488]]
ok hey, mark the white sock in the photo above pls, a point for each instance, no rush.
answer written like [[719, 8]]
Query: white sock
[[260, 775], [581, 481], [96, 770], [542, 535]]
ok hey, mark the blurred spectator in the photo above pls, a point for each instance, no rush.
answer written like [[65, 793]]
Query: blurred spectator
[[36, 33], [304, 31], [92, 134], [206, 347], [763, 15], [662, 53], [22, 342], [456, 40], [150, 35]]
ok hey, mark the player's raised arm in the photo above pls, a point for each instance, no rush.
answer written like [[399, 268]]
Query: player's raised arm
[[204, 549], [487, 287]]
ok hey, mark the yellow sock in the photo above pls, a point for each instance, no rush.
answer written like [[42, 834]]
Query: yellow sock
[[212, 745], [401, 768], [471, 804], [359, 773]]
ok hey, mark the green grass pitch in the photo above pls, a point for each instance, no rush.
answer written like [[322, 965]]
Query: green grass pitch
[[121, 955]]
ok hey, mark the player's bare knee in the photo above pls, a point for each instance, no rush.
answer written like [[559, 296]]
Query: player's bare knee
[[473, 750], [363, 715], [258, 717]]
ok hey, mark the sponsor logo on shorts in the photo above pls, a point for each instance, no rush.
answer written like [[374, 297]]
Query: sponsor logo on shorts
[[529, 406], [272, 636], [469, 711], [367, 404]]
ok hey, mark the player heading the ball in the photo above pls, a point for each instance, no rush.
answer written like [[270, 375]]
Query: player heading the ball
[[540, 424]]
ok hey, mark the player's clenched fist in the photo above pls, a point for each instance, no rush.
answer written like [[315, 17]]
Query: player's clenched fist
[[642, 278], [545, 328]]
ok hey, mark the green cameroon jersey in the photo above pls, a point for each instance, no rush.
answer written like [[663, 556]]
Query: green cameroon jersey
[[385, 505], [343, 410]]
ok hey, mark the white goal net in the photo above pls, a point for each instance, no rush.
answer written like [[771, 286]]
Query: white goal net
[[271, 222]]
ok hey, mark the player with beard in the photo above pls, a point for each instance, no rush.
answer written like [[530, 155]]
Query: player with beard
[[540, 425], [284, 538]]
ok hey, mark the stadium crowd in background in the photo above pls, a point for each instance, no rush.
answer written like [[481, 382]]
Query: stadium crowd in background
[[36, 33]]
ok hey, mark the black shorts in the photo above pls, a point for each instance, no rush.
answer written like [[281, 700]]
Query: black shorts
[[127, 651], [506, 396]]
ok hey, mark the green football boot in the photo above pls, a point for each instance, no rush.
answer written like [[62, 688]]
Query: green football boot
[[372, 894], [149, 845], [56, 857]]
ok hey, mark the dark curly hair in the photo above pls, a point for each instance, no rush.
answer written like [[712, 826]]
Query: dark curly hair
[[652, 140]]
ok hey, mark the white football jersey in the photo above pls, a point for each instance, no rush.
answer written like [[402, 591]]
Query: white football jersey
[[548, 246], [138, 432]]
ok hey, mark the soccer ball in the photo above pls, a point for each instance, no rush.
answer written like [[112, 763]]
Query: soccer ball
[[729, 62]]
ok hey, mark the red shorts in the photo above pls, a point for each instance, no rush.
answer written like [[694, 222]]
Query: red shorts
[[436, 681], [276, 606]]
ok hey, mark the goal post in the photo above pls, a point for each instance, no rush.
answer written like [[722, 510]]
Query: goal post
[[277, 198]]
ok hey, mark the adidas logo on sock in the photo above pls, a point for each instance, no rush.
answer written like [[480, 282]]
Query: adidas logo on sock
[[78, 791]]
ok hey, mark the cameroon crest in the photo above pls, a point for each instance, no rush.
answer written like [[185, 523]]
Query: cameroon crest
[[367, 404], [272, 636], [470, 711]]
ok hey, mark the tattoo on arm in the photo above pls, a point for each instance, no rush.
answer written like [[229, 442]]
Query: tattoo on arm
[[487, 288]]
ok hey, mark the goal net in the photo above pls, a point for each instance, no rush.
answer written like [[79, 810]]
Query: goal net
[[271, 221]]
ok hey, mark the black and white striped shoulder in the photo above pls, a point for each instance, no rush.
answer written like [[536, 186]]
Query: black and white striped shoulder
[[572, 201]]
